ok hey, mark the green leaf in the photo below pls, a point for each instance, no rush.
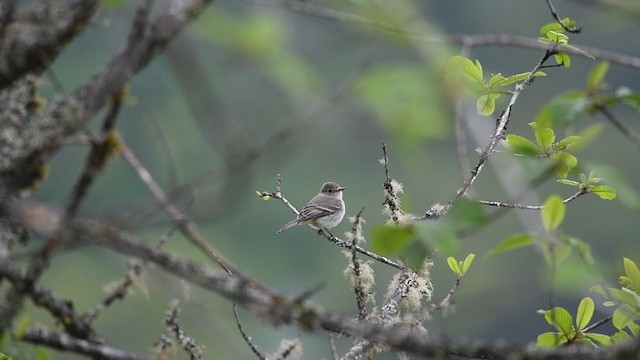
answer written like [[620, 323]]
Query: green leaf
[[623, 316], [557, 37], [634, 328], [620, 296], [460, 65], [559, 318], [553, 212], [554, 26], [511, 243], [466, 213], [556, 253], [605, 192], [405, 101], [438, 236], [601, 338], [563, 58], [569, 182], [497, 80], [453, 265], [595, 77], [519, 77], [620, 336], [522, 146], [583, 248], [629, 196], [390, 240], [467, 263], [579, 51], [584, 314], [568, 142], [486, 103], [633, 273], [544, 136], [4, 357], [550, 339], [415, 254], [563, 110], [565, 162]]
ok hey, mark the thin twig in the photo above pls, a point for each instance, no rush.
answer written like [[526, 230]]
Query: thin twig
[[187, 343], [332, 346], [447, 299], [554, 13], [597, 324], [246, 337], [624, 129], [187, 228], [497, 135], [500, 204], [390, 192]]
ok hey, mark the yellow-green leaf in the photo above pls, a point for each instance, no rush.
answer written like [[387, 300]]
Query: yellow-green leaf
[[633, 273], [553, 212], [453, 265], [513, 242], [605, 192], [584, 314], [594, 80]]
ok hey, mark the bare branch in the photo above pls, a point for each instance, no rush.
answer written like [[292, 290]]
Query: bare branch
[[624, 129], [67, 343], [497, 135], [246, 337], [575, 30], [357, 272], [33, 39], [529, 207], [460, 39]]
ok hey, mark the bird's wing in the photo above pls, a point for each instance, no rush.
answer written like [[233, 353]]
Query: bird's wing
[[312, 210]]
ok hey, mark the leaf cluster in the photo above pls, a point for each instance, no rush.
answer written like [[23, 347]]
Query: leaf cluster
[[624, 318], [468, 74]]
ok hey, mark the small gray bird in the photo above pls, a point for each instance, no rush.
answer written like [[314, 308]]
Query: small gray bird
[[324, 210]]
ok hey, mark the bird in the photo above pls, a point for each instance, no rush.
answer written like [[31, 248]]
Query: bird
[[324, 210]]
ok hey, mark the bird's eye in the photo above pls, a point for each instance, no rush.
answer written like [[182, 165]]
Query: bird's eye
[[330, 190]]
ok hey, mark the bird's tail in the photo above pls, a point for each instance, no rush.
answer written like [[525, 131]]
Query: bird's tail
[[289, 225]]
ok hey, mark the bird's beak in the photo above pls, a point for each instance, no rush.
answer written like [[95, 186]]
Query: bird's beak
[[342, 188]]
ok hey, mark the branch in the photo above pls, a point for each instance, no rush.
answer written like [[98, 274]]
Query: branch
[[575, 30], [61, 309], [529, 207], [246, 337], [186, 226], [460, 39], [32, 40], [624, 129], [71, 113], [358, 287], [497, 135], [62, 342], [389, 310], [279, 309]]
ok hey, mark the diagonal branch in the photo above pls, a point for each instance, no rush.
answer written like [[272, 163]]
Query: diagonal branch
[[31, 40], [71, 113]]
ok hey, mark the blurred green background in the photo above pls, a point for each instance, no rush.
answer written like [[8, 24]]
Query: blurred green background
[[244, 72]]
